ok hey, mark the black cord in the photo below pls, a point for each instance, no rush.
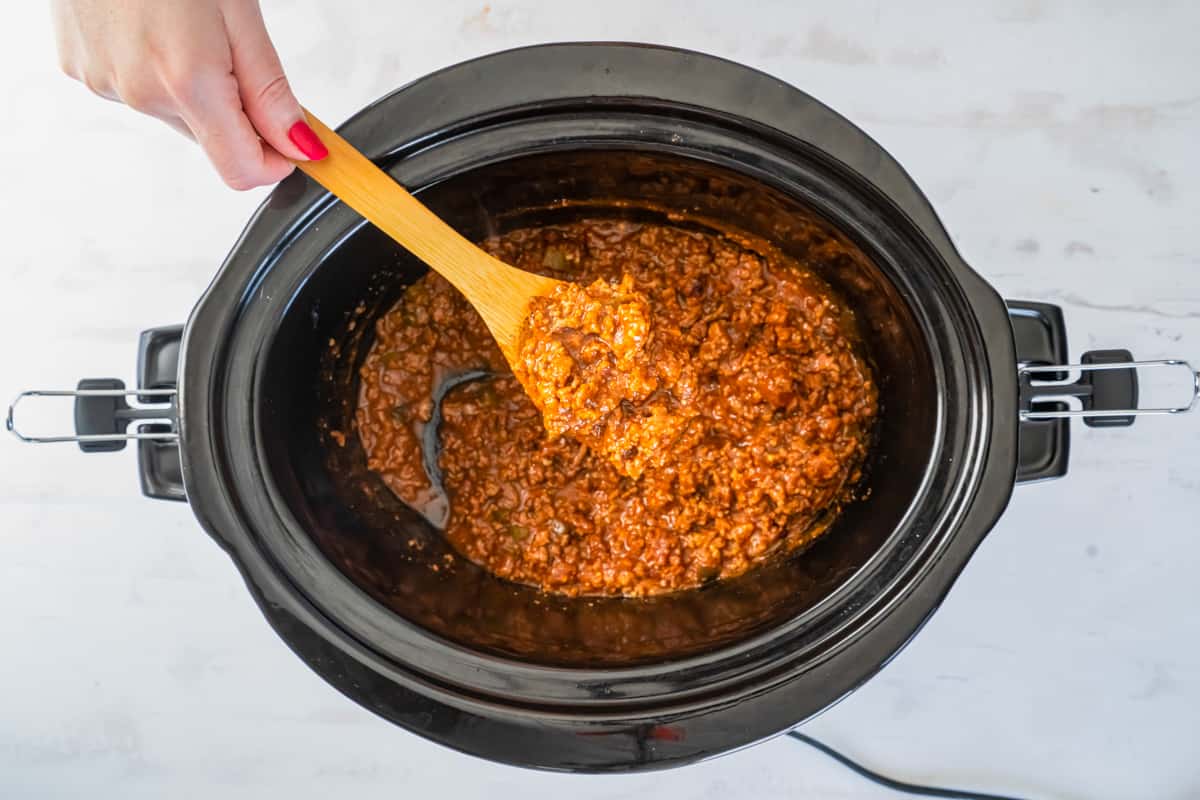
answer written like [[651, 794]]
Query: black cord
[[892, 783]]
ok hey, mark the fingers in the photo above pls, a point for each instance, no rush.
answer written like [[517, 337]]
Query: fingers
[[265, 94], [213, 111], [207, 69]]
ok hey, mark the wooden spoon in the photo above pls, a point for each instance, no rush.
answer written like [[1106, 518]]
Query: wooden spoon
[[500, 293]]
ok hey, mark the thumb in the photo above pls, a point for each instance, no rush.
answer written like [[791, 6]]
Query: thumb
[[266, 96]]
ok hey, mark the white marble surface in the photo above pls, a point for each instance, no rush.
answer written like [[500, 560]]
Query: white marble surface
[[1059, 141]]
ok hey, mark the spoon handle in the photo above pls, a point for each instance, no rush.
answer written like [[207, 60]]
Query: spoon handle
[[355, 180], [499, 292]]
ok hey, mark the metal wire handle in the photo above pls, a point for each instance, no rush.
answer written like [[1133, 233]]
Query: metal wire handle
[[143, 414], [1046, 389]]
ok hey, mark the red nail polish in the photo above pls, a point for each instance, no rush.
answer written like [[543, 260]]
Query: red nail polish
[[303, 137]]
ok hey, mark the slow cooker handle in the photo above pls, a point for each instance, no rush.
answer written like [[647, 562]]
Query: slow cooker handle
[[103, 414], [1105, 391]]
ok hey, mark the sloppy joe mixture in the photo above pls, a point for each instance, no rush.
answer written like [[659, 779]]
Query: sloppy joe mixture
[[601, 373], [703, 402]]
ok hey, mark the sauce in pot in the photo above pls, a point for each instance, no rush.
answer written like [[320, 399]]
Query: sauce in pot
[[704, 405]]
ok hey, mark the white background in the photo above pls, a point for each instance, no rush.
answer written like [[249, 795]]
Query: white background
[[1059, 142]]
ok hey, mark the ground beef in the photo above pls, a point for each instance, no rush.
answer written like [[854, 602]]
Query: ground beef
[[706, 406]]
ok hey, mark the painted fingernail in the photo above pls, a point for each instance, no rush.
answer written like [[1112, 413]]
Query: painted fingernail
[[303, 137]]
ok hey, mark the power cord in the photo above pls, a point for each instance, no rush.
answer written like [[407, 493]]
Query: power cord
[[892, 783]]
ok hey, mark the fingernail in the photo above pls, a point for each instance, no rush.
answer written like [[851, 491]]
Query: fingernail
[[303, 137]]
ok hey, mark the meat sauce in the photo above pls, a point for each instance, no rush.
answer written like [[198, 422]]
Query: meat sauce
[[704, 405], [601, 373]]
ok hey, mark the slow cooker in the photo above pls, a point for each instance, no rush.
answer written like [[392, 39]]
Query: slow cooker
[[237, 413]]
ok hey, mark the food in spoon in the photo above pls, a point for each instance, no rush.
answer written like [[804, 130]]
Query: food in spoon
[[604, 373], [706, 402]]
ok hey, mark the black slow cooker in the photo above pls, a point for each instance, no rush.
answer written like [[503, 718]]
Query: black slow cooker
[[242, 411]]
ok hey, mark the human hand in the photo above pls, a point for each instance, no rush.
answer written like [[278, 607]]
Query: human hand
[[205, 67]]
